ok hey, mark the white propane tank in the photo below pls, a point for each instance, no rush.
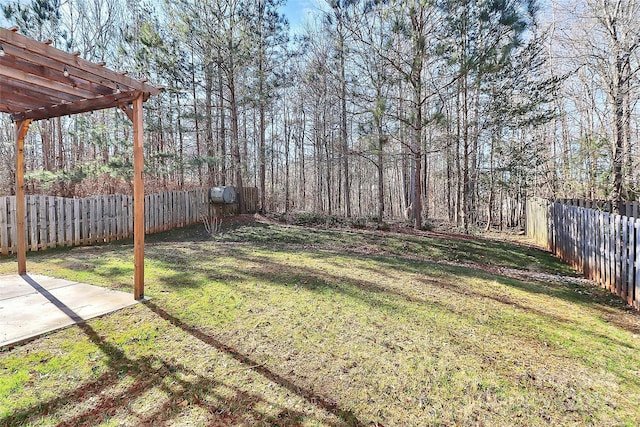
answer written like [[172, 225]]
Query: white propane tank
[[226, 195]]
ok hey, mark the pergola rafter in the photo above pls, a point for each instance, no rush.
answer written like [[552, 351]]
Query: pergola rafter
[[38, 81]]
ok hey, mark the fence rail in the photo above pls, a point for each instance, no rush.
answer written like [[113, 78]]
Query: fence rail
[[57, 221], [629, 209], [605, 247]]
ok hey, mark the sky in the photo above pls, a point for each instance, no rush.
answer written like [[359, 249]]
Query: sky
[[296, 12]]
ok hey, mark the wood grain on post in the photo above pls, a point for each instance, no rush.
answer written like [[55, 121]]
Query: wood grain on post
[[21, 132], [138, 199]]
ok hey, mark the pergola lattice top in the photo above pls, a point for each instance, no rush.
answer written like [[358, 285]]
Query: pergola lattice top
[[38, 81]]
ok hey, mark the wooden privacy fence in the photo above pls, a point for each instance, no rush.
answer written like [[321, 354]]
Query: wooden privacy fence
[[605, 247], [57, 221]]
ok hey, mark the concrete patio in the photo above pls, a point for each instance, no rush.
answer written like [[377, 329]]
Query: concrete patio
[[32, 304]]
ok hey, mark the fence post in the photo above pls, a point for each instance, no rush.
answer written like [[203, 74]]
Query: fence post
[[606, 273], [600, 247]]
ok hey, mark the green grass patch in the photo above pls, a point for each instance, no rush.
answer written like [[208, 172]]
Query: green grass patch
[[285, 325]]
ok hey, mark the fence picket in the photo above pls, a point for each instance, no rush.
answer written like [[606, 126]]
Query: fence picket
[[32, 216], [113, 235], [636, 290], [577, 249], [60, 226], [130, 216], [76, 222], [42, 221], [86, 212], [147, 213], [12, 222], [92, 220], [608, 249], [630, 257], [601, 234], [612, 253], [4, 226], [154, 213], [51, 205], [593, 240], [624, 253], [617, 255]]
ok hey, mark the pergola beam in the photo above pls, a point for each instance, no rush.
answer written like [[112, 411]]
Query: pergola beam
[[21, 95], [56, 75], [78, 107], [46, 96], [37, 82], [128, 110]]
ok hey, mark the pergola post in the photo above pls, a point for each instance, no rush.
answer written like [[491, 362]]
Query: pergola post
[[22, 127], [138, 199]]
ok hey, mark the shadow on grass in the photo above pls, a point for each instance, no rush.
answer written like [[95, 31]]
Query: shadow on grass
[[322, 402], [566, 290], [434, 245], [605, 305], [365, 290], [395, 252], [318, 281], [290, 239], [149, 372], [561, 321], [152, 372]]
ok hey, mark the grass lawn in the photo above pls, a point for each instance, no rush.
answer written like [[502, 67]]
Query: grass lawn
[[268, 324]]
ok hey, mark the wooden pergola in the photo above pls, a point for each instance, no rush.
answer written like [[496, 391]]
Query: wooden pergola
[[38, 81]]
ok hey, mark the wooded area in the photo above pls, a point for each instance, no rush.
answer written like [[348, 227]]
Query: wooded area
[[604, 246], [456, 110]]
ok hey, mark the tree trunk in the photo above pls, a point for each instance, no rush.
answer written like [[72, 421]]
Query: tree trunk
[[180, 142], [491, 188], [287, 142], [195, 117], [380, 167], [208, 123], [263, 148], [466, 183], [417, 155], [235, 139], [61, 159], [618, 137], [343, 126], [222, 134], [303, 176]]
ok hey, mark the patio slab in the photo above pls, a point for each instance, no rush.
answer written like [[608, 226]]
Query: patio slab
[[32, 304]]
